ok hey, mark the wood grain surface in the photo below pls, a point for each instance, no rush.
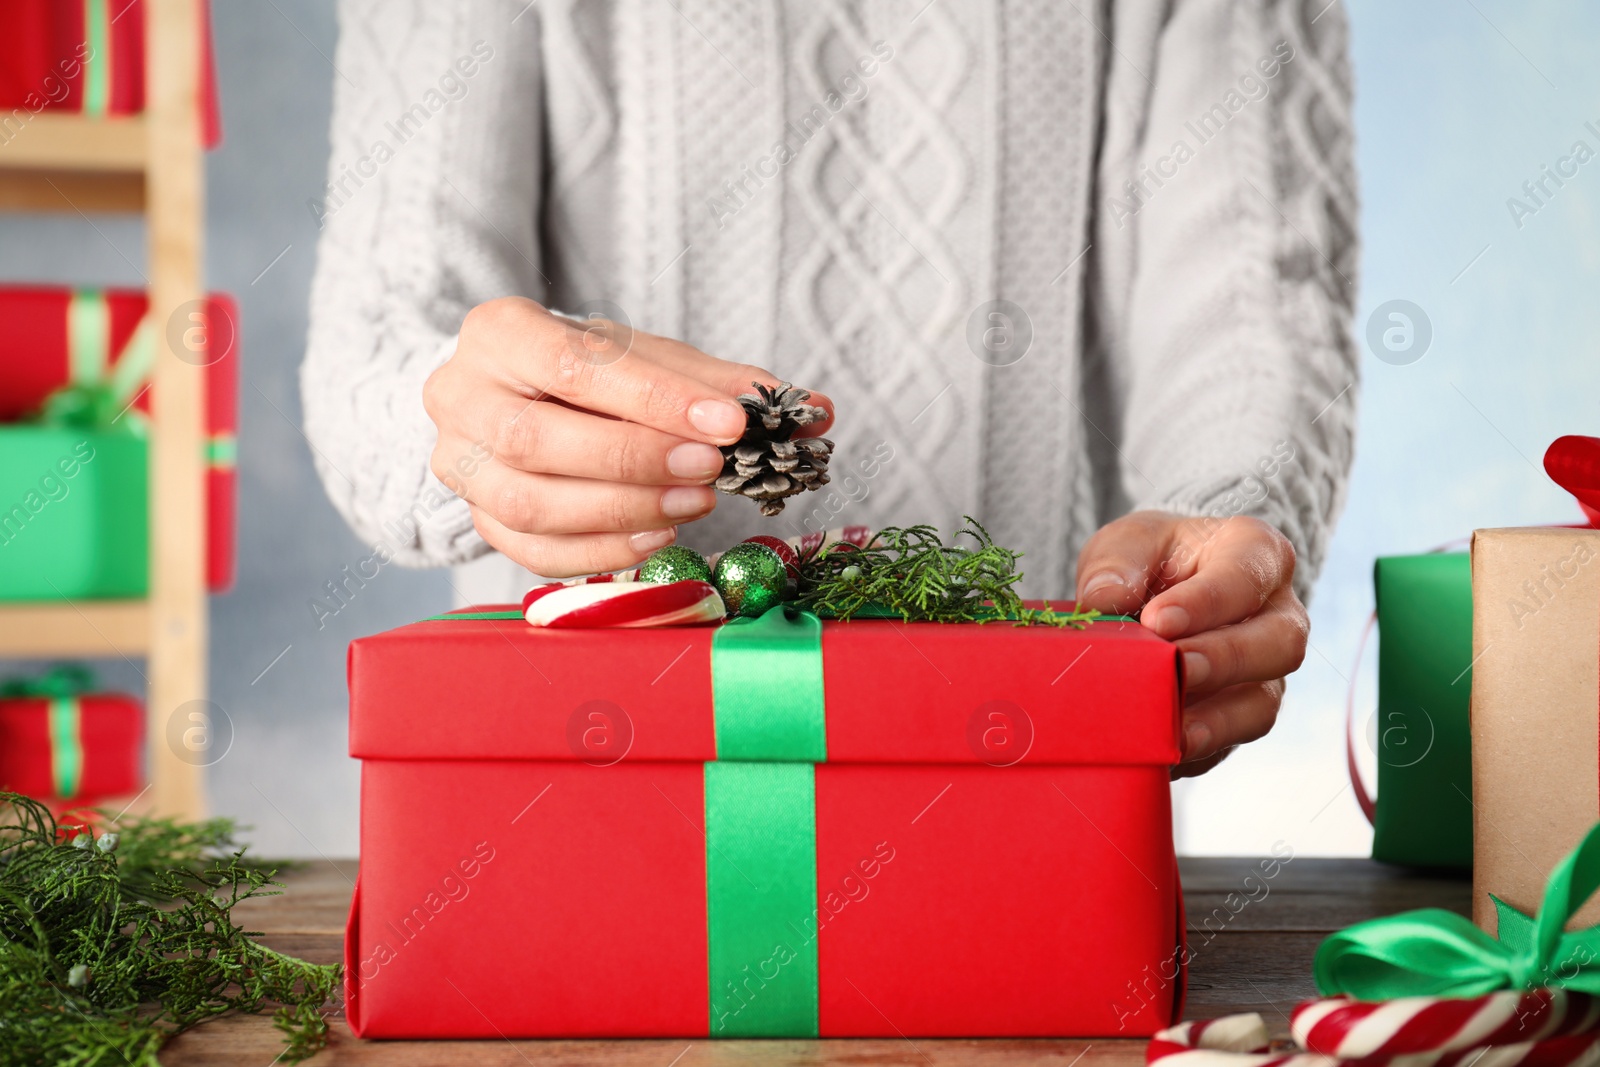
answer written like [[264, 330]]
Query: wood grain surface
[[1249, 956]]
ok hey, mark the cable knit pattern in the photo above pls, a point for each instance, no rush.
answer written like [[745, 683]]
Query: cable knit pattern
[[832, 188]]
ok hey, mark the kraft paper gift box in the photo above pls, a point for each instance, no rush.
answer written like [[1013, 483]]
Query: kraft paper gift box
[[892, 830], [1535, 709], [1536, 694], [51, 337]]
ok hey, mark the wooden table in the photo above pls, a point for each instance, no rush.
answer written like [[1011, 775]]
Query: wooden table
[[1251, 958]]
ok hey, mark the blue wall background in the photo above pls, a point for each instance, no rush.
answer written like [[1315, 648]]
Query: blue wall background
[[1459, 103]]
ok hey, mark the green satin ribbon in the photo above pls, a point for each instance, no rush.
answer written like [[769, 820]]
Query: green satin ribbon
[[61, 686], [766, 687], [1433, 952], [97, 66], [66, 745], [761, 825], [222, 451], [761, 899]]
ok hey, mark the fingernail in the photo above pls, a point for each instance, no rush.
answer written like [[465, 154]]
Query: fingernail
[[650, 540], [680, 502], [1172, 622], [1103, 580], [1195, 669], [694, 460], [717, 418], [1196, 740]]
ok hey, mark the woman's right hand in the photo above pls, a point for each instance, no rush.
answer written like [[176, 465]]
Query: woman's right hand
[[580, 447]]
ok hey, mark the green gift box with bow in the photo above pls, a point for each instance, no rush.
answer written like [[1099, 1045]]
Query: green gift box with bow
[[81, 360]]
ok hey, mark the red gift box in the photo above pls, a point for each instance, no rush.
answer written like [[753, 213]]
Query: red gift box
[[71, 748], [547, 849], [53, 336], [85, 56]]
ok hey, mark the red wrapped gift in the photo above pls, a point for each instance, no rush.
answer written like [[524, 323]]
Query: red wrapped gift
[[771, 828], [84, 56], [62, 744], [54, 336]]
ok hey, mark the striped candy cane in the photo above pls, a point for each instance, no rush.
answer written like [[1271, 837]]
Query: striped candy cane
[[1539, 1028], [623, 604], [1352, 1029]]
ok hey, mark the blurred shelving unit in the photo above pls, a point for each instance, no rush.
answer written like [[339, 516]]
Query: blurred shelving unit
[[151, 164]]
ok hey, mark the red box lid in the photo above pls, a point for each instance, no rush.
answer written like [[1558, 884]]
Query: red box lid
[[895, 693]]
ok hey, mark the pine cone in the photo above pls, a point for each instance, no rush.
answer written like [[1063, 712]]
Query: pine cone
[[765, 464]]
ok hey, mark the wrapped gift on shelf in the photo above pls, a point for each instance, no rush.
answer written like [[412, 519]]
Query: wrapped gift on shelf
[[74, 397], [770, 827], [1536, 694], [85, 57], [66, 745]]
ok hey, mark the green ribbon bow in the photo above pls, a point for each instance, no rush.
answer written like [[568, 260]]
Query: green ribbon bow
[[1432, 952], [64, 680], [100, 391], [61, 686]]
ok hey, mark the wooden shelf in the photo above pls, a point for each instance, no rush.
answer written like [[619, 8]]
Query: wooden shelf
[[70, 164], [71, 191], [72, 142], [88, 628], [153, 164]]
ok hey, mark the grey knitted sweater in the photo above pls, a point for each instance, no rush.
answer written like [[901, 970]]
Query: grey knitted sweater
[[1053, 260]]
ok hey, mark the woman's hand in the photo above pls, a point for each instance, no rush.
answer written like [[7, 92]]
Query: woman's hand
[[1221, 589], [599, 439]]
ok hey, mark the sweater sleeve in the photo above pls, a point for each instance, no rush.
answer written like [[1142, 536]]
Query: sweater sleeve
[[431, 207], [1238, 185]]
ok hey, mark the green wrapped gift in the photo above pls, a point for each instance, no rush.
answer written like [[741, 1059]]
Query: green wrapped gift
[[1424, 809], [73, 512]]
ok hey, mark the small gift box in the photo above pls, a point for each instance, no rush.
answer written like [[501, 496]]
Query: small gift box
[[1536, 693], [87, 57], [778, 827], [72, 472], [65, 745]]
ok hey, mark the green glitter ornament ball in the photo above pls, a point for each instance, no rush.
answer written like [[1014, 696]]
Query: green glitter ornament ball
[[675, 563], [751, 579]]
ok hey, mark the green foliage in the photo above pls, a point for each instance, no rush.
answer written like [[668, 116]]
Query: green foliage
[[913, 574], [105, 953]]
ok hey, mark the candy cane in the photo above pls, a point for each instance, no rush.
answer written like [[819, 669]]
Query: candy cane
[[1539, 1028], [1348, 1028], [623, 604]]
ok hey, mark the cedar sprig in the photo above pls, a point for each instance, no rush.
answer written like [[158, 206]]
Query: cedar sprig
[[912, 572], [106, 952]]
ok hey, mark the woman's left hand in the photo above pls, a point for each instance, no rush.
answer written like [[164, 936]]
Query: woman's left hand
[[1220, 589]]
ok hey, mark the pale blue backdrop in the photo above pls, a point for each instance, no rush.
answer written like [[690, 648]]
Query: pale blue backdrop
[[1458, 102]]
